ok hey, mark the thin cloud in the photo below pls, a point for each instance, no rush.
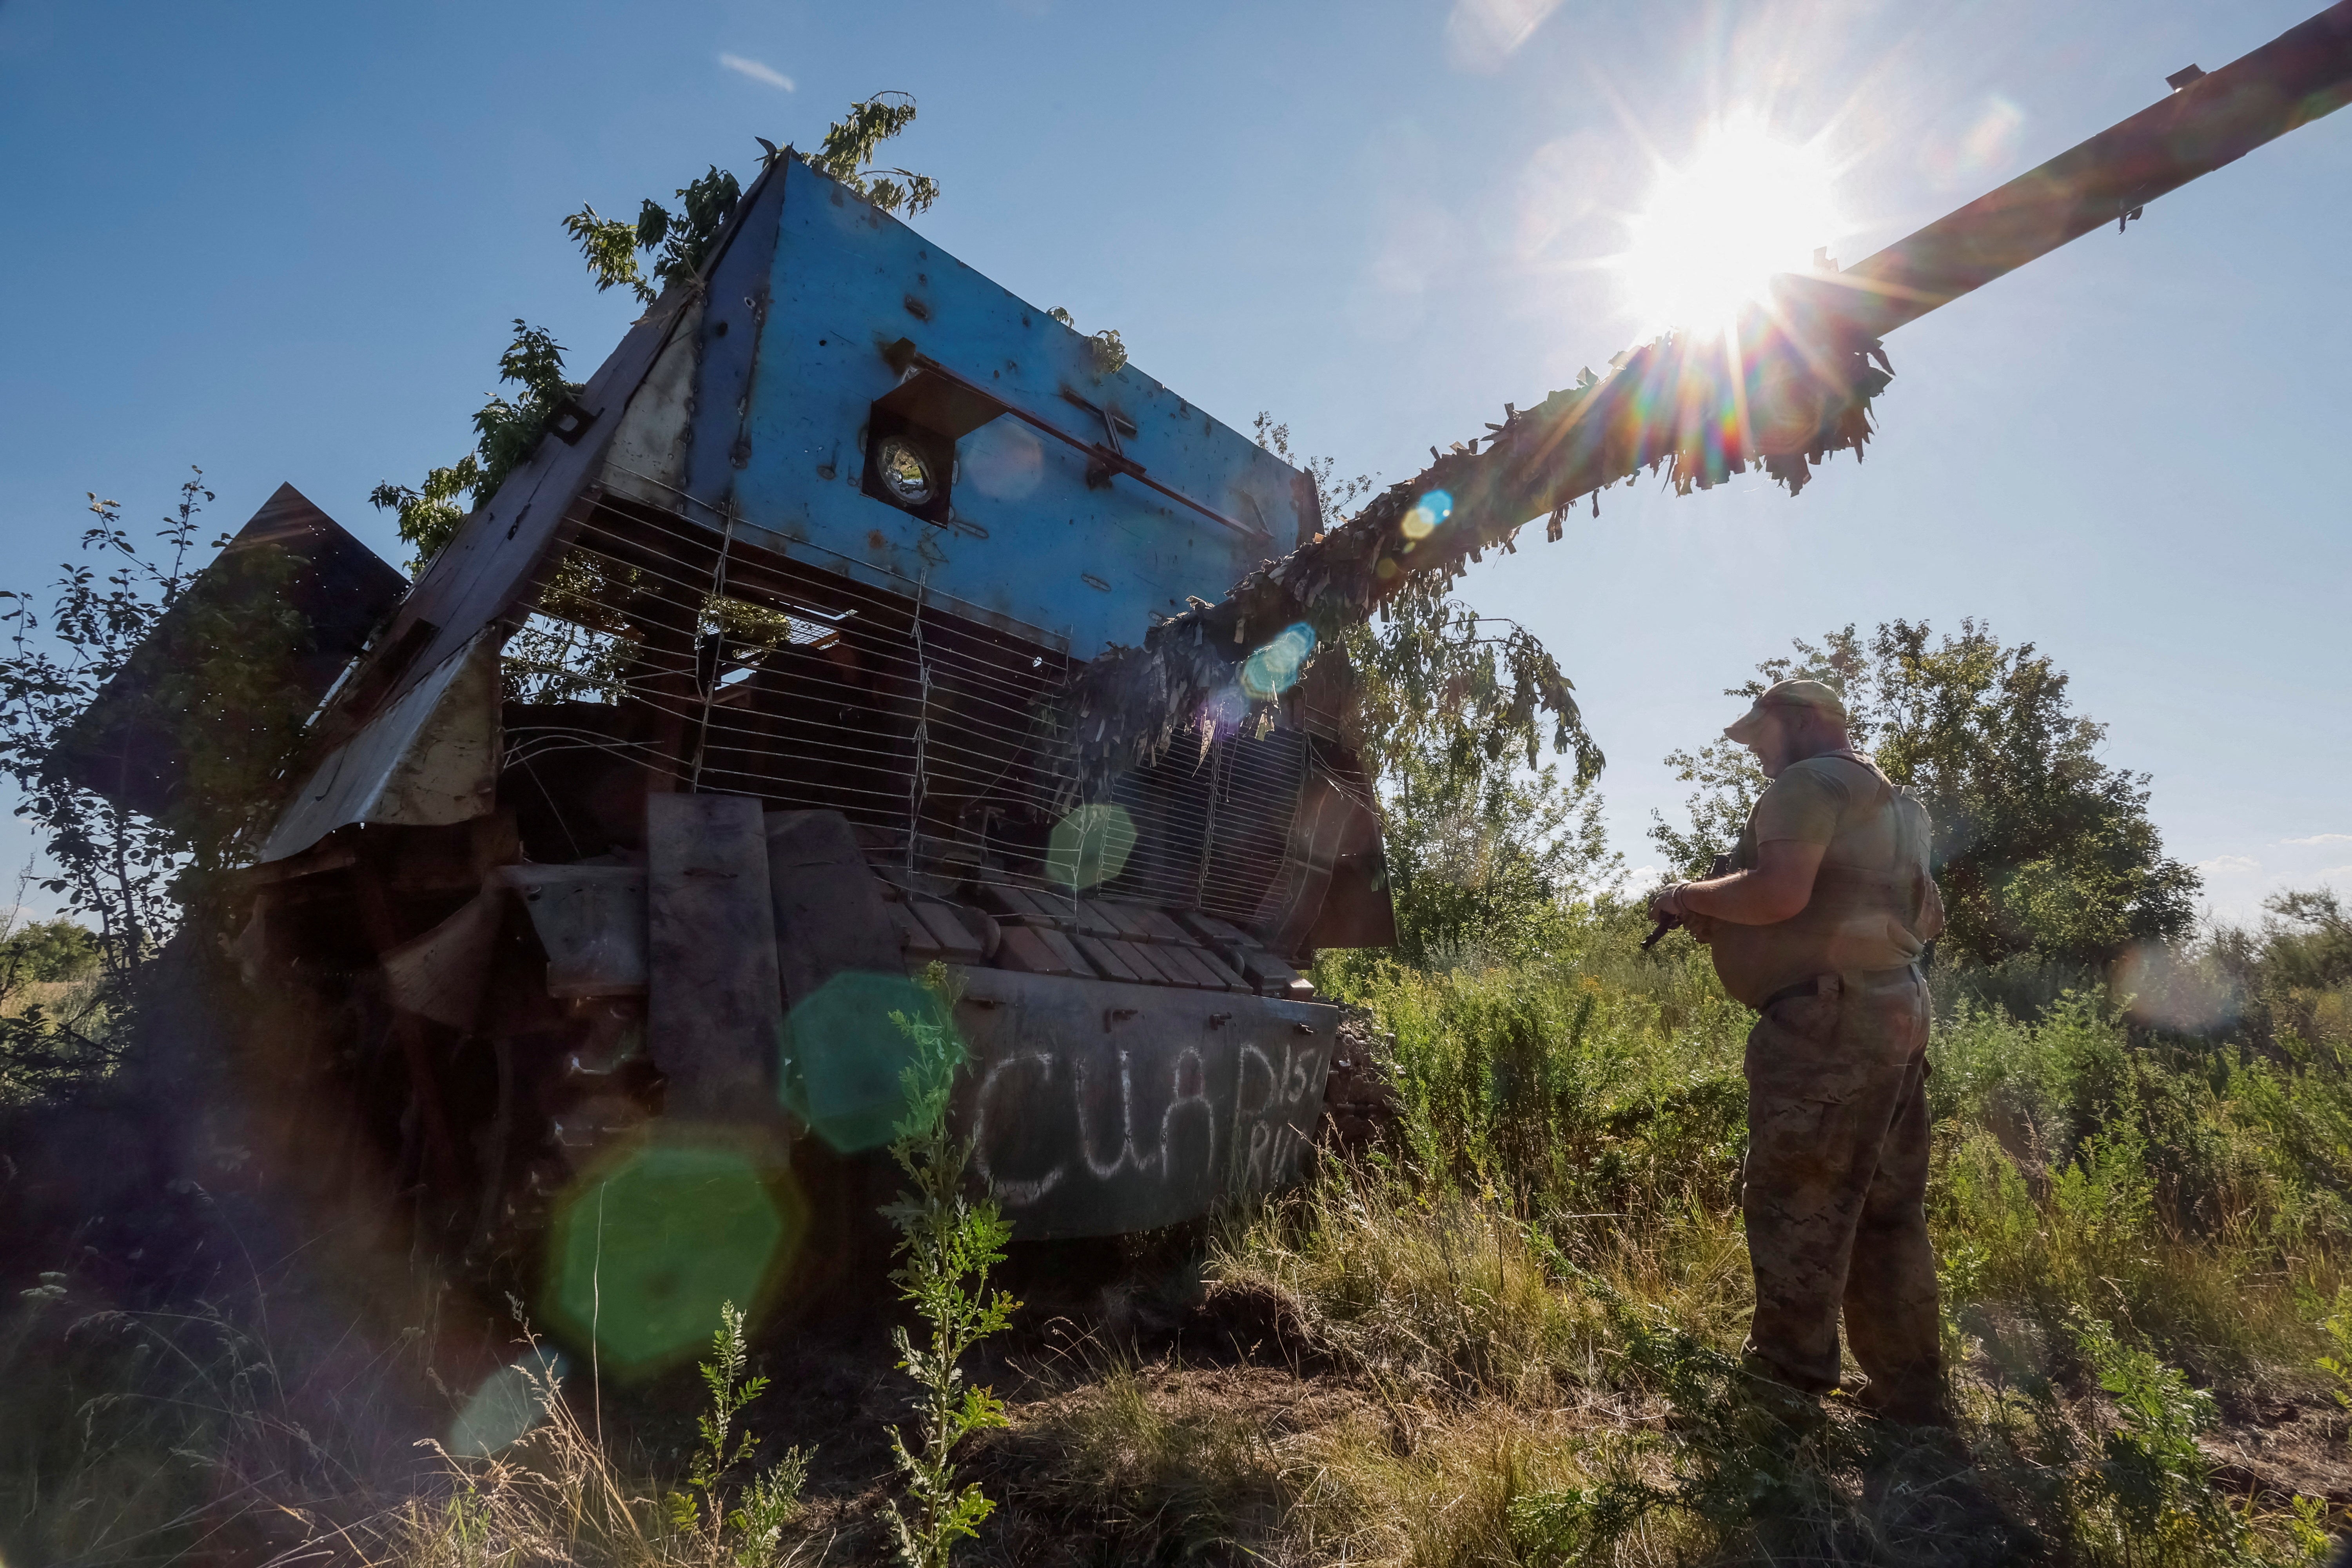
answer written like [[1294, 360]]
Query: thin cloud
[[1480, 35], [2321, 838], [758, 71], [2229, 865]]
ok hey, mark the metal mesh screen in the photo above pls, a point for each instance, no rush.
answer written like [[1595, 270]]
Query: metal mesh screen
[[661, 646]]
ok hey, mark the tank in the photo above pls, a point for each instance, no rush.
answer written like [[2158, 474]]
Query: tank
[[858, 622], [748, 701]]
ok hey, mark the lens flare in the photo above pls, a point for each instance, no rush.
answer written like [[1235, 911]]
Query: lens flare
[[1090, 846], [509, 1403], [1003, 460], [1223, 710], [1272, 670], [1746, 206], [650, 1243], [846, 1049], [1426, 515]]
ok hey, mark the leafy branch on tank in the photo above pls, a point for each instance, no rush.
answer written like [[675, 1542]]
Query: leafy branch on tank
[[1674, 406]]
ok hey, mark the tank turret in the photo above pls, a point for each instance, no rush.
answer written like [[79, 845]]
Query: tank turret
[[750, 695]]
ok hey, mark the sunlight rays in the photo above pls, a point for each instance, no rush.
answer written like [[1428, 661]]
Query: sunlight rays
[[1713, 230]]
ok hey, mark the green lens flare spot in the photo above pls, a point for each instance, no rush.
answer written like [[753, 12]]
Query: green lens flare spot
[[648, 1244], [1090, 846], [846, 1051], [508, 1404]]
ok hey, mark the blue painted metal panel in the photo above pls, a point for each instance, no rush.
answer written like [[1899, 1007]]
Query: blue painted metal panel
[[734, 304], [1030, 543]]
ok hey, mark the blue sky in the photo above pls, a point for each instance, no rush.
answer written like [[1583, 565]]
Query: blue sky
[[285, 242]]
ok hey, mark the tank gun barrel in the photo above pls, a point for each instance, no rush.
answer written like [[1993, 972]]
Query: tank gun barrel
[[2209, 120], [1791, 383]]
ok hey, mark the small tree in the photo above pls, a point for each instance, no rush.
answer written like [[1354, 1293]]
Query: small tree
[[949, 1242], [674, 244], [224, 708], [1454, 712], [506, 433], [751, 1530]]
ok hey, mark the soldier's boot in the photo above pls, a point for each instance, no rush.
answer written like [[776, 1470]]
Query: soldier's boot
[[1925, 1404], [1767, 1391]]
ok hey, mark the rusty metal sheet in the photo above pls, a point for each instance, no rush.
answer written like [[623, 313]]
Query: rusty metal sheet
[[440, 974], [1336, 825], [591, 920], [502, 551], [1096, 1108], [646, 461], [733, 358], [715, 1006], [431, 759], [126, 749]]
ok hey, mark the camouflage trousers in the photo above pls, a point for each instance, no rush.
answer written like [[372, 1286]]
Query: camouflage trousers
[[1834, 1186]]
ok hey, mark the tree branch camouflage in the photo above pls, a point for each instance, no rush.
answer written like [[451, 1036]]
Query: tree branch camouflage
[[675, 243], [1698, 410]]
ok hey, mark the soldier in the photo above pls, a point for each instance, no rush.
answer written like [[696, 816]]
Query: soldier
[[1820, 928]]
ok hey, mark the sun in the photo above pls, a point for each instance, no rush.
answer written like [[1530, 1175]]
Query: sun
[[1746, 206]]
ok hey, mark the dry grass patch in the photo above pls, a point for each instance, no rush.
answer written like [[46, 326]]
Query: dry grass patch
[[1257, 1462]]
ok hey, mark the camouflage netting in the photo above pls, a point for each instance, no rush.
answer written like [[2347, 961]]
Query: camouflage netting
[[1698, 409]]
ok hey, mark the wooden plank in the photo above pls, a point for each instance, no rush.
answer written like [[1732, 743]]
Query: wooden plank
[[1059, 908], [1157, 961], [1275, 978], [957, 942], [1106, 962], [1216, 934], [1160, 927], [1132, 954], [1227, 975], [1024, 948], [1193, 961], [715, 1004], [830, 915], [1128, 918], [1066, 951], [915, 939], [1010, 902]]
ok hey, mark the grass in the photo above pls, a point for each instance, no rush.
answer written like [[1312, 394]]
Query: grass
[[1507, 1335], [557, 1495]]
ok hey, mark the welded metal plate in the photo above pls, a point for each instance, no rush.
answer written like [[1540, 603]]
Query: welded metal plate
[[429, 760], [1097, 1108], [591, 920], [1034, 539], [129, 746]]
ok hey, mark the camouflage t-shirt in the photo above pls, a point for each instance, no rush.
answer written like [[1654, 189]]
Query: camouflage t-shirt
[[1850, 926]]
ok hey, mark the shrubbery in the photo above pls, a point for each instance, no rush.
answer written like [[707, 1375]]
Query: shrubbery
[[2126, 1216]]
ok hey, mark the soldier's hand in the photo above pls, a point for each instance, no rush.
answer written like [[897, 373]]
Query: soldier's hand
[[1665, 904]]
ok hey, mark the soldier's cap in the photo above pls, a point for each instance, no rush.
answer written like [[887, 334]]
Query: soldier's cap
[[1787, 694]]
